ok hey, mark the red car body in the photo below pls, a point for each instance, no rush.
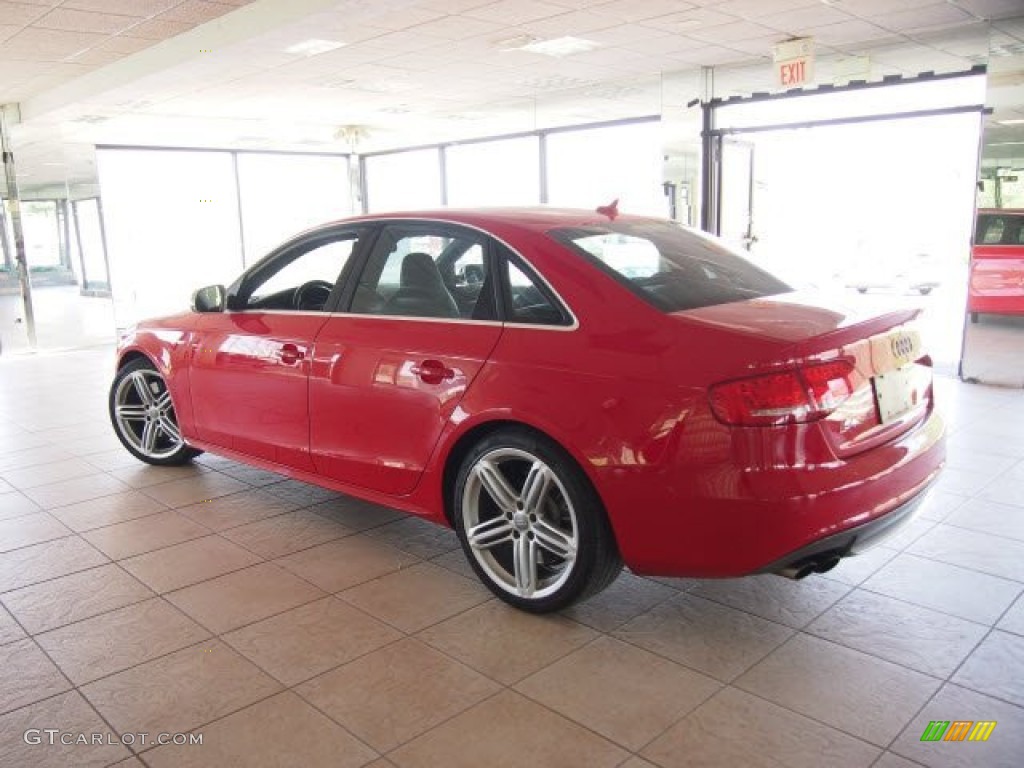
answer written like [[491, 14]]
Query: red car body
[[626, 389], [997, 263]]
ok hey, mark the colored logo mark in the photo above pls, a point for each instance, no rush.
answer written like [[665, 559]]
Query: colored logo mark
[[958, 730]]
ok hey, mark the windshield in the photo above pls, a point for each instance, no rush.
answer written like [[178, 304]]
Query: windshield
[[668, 266]]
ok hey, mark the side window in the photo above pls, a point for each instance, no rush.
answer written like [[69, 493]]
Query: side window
[[301, 280], [426, 272], [993, 234], [527, 302]]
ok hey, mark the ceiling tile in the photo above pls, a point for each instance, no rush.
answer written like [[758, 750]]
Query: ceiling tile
[[753, 9], [84, 21], [847, 33], [125, 45], [934, 15], [141, 8], [5, 32], [573, 23], [19, 14], [391, 19], [197, 11], [514, 12], [624, 34], [50, 44], [798, 19], [639, 10], [686, 21], [159, 29], [725, 33], [457, 27], [993, 9]]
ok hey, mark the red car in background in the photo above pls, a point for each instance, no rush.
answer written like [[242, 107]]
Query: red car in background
[[997, 264], [569, 390]]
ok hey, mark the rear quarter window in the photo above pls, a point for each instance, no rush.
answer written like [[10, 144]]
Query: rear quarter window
[[669, 267]]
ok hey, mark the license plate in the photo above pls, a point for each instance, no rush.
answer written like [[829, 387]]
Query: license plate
[[897, 392]]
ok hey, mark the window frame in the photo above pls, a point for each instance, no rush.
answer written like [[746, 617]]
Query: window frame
[[507, 257], [292, 250]]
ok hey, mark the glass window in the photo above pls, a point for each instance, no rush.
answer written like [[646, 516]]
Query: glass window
[[422, 272], [283, 194], [300, 280], [594, 166], [94, 265], [403, 181], [670, 267], [505, 172], [527, 302]]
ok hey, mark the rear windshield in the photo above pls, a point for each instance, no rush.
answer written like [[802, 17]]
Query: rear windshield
[[999, 229], [670, 267]]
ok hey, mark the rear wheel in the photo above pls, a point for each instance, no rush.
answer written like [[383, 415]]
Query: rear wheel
[[143, 416], [974, 317], [531, 525]]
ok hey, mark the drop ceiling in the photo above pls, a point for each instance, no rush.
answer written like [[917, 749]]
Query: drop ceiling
[[250, 75]]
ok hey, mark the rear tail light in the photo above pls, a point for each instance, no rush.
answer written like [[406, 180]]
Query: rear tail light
[[797, 396]]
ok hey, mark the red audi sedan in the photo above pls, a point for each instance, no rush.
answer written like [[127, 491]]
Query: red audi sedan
[[569, 390]]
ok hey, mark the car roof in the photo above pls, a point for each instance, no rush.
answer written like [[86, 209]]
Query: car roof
[[536, 218]]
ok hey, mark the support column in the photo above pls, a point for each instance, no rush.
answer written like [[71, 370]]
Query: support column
[[5, 246], [708, 163], [6, 112]]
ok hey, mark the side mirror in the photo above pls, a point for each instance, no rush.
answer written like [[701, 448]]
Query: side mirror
[[209, 299]]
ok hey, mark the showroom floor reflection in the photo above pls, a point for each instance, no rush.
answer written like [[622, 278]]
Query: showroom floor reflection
[[292, 625]]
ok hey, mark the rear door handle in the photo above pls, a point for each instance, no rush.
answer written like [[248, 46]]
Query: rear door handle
[[290, 354], [433, 371]]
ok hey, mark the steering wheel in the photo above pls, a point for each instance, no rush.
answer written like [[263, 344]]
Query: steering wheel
[[312, 295]]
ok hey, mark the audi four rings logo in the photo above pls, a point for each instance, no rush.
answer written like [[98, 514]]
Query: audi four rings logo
[[902, 346]]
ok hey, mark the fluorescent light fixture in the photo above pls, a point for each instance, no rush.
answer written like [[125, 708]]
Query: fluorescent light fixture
[[313, 46], [1006, 144], [1015, 121], [560, 46]]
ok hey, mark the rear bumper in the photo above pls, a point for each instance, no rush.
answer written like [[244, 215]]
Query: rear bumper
[[996, 305], [852, 541]]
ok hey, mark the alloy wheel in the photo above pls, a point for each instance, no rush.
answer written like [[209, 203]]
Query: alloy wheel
[[144, 415]]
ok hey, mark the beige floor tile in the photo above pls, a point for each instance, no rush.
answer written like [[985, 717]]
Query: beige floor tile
[[31, 529], [504, 643], [919, 638], [107, 510], [784, 601], [737, 729], [396, 693], [417, 537], [283, 534], [1004, 489], [111, 642], [1013, 621], [51, 472], [9, 629], [145, 475], [188, 563], [863, 695], [253, 476], [61, 601], [996, 668], [16, 504], [144, 534], [117, 458], [618, 690], [343, 563], [180, 692], [31, 565], [946, 588], [456, 562], [27, 676], [311, 639], [280, 731], [242, 597], [237, 509], [302, 494], [890, 760], [356, 514], [712, 638], [416, 597], [73, 491], [626, 598], [855, 570], [991, 517], [938, 505], [72, 715], [969, 549], [508, 730], [1002, 750], [30, 457], [193, 490]]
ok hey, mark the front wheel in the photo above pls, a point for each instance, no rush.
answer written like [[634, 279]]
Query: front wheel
[[530, 523], [143, 416]]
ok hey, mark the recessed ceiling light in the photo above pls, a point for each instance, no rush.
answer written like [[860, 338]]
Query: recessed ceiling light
[[560, 46], [1015, 121], [313, 46]]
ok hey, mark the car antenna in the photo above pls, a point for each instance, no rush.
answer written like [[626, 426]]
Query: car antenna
[[611, 210]]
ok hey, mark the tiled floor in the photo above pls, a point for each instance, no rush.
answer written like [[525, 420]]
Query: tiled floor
[[292, 626]]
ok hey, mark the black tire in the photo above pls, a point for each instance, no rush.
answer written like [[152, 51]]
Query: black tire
[[567, 506], [974, 317], [862, 290], [152, 416], [924, 290]]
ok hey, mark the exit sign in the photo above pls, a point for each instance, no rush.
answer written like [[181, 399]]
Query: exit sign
[[794, 62]]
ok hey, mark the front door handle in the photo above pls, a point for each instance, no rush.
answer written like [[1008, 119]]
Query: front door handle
[[290, 354], [433, 371]]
